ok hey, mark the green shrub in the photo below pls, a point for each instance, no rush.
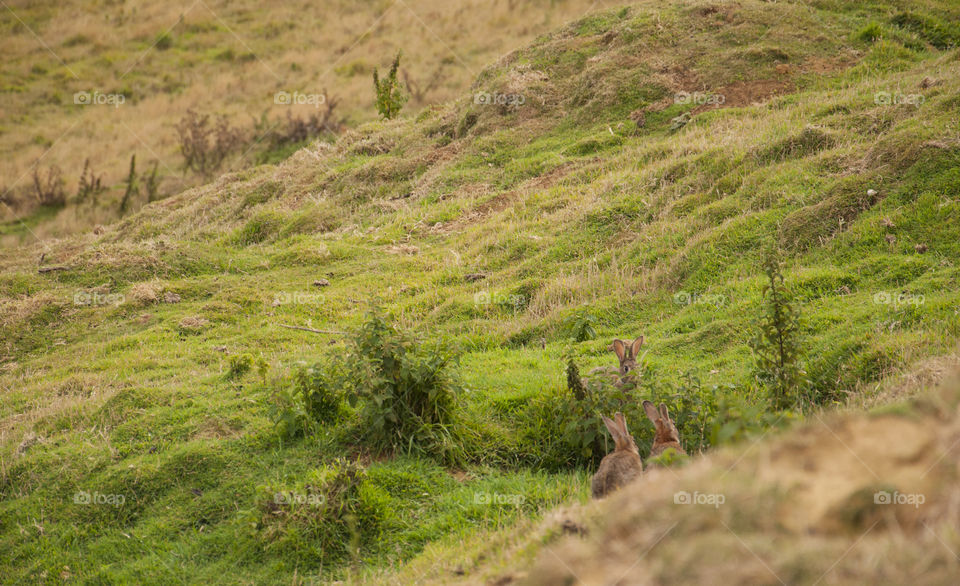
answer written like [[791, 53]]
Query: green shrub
[[692, 407], [581, 326], [739, 418], [239, 365], [871, 32], [564, 428], [289, 415], [776, 345], [317, 388], [405, 389], [390, 94], [332, 512]]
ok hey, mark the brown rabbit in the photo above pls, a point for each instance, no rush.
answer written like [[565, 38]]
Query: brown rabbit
[[666, 435], [627, 354], [621, 465]]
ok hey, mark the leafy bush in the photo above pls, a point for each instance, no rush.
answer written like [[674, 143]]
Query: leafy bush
[[692, 407], [739, 418], [332, 512], [390, 94], [565, 429], [288, 412], [239, 365], [406, 389], [317, 388], [776, 345], [581, 326]]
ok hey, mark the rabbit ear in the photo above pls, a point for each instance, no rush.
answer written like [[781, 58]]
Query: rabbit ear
[[651, 411], [663, 412], [635, 346], [612, 428], [619, 348], [622, 422]]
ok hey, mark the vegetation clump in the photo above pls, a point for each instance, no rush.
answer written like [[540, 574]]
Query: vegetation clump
[[776, 346], [390, 93], [403, 390]]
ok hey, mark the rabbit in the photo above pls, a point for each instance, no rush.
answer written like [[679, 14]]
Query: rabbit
[[666, 435], [627, 354], [620, 466]]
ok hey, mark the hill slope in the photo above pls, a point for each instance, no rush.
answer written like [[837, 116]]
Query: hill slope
[[849, 498], [155, 62], [827, 129]]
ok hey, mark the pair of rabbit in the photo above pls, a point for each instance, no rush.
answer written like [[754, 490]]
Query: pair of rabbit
[[626, 354], [623, 464]]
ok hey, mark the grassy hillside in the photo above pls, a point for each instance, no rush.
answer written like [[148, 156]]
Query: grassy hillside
[[153, 62], [826, 129]]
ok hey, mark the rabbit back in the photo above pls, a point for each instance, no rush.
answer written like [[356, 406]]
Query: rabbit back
[[616, 470]]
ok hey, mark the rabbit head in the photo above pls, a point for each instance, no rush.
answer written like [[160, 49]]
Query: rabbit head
[[622, 439], [666, 431], [627, 354]]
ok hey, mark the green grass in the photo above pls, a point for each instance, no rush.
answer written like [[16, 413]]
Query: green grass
[[657, 232]]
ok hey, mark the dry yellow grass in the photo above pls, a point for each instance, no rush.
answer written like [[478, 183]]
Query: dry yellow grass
[[225, 57]]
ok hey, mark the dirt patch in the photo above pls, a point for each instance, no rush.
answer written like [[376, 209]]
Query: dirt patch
[[748, 93], [824, 65], [215, 429], [402, 249], [735, 95]]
